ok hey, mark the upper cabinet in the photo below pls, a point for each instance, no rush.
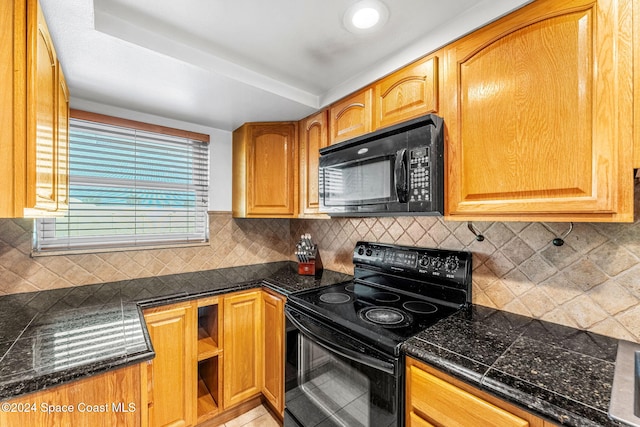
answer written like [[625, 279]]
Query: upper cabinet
[[62, 150], [313, 137], [34, 122], [351, 116], [265, 182], [408, 93], [539, 113]]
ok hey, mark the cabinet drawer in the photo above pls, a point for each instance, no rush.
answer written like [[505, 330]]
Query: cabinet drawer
[[416, 421], [445, 404]]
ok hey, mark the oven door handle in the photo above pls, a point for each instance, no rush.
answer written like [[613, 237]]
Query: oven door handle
[[343, 351]]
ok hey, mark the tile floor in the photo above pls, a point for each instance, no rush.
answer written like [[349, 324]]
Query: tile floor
[[257, 417]]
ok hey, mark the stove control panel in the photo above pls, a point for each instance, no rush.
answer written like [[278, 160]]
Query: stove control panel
[[425, 263]]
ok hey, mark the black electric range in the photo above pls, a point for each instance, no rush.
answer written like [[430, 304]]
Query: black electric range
[[397, 291], [343, 342]]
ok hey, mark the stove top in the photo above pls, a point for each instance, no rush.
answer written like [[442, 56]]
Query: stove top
[[385, 316], [397, 292]]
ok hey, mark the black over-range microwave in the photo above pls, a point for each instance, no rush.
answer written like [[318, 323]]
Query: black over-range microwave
[[398, 170]]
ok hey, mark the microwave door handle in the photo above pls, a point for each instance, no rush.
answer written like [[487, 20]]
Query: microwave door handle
[[400, 169]]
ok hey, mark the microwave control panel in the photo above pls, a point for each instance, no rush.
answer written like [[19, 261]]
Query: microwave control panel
[[419, 175]]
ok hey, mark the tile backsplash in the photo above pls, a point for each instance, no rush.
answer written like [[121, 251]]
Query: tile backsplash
[[232, 243], [592, 282]]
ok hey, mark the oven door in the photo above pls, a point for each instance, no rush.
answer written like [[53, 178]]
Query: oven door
[[338, 381], [370, 177]]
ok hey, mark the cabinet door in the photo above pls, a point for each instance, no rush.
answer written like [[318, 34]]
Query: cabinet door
[[313, 137], [273, 344], [62, 142], [636, 85], [408, 93], [242, 343], [271, 170], [105, 400], [351, 117], [171, 376], [539, 115], [41, 103]]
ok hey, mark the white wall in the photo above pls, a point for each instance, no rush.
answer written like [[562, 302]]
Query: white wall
[[219, 147]]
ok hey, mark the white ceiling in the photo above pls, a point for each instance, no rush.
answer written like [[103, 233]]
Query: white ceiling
[[220, 63]]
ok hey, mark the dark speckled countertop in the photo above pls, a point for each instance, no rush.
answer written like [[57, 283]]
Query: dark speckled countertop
[[559, 373], [51, 337]]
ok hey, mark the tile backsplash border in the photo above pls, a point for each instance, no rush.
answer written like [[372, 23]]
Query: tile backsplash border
[[592, 282]]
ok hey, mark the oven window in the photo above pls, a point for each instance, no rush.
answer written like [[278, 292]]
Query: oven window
[[362, 182], [332, 390]]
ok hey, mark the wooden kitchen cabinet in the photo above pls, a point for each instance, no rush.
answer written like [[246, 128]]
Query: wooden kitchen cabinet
[[105, 400], [243, 355], [636, 85], [539, 114], [351, 117], [273, 327], [436, 399], [265, 181], [62, 143], [408, 93], [168, 381], [34, 107], [313, 137]]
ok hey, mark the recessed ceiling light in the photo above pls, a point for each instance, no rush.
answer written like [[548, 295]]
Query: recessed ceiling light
[[365, 16]]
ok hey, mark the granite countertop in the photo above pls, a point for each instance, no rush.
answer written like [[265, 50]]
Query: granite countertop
[[557, 372], [51, 337]]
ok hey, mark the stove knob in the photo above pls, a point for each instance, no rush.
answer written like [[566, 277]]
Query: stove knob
[[424, 261], [451, 264], [361, 250], [369, 252], [436, 263]]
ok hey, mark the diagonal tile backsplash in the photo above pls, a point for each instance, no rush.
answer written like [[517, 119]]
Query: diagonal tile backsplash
[[592, 282]]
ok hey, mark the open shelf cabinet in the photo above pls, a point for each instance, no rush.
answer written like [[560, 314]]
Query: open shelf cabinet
[[209, 358]]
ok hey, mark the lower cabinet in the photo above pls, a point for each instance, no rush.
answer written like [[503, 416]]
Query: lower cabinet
[[242, 346], [209, 360], [274, 348], [105, 400], [168, 380], [215, 357], [436, 399]]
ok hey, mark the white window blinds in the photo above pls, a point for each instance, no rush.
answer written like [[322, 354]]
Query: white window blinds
[[129, 188]]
